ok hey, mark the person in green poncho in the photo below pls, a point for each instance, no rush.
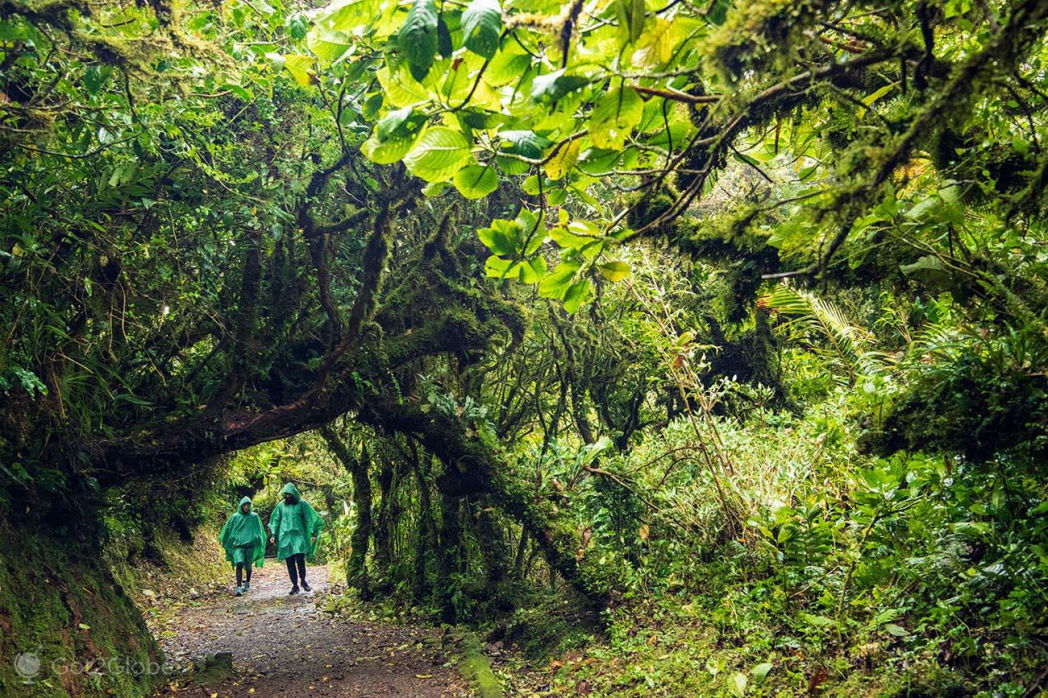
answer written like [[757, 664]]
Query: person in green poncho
[[294, 525], [245, 542]]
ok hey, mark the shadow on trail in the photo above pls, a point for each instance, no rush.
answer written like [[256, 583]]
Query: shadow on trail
[[285, 645]]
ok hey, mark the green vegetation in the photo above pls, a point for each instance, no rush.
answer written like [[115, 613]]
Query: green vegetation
[[67, 611], [476, 667], [688, 348]]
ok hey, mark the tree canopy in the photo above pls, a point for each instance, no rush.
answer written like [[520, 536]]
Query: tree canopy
[[530, 240]]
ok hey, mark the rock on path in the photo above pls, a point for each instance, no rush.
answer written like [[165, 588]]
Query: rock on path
[[284, 646]]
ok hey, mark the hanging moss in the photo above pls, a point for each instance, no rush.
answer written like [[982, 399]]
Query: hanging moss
[[647, 208]]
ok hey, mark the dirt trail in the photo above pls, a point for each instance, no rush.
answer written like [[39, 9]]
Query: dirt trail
[[284, 645]]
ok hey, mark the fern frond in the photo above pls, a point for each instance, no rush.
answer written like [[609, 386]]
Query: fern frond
[[849, 345]]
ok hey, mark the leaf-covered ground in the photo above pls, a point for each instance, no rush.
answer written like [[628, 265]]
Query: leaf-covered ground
[[288, 645]]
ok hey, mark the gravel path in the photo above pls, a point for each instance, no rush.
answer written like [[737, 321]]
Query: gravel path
[[284, 645]]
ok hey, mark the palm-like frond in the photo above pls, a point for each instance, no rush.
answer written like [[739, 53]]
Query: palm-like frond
[[940, 341], [848, 345]]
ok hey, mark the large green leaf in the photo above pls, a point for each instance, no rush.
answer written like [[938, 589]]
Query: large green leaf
[[577, 294], [552, 86], [328, 46], [345, 15], [600, 161], [299, 67], [508, 66], [476, 181], [614, 118], [563, 160], [399, 122], [556, 283], [439, 154], [502, 238], [615, 271], [526, 143], [481, 26], [631, 17], [532, 271], [497, 267], [386, 152], [565, 238], [332, 35], [393, 137], [418, 37], [400, 88]]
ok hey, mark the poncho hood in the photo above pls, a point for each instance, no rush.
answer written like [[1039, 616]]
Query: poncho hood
[[243, 501], [290, 488]]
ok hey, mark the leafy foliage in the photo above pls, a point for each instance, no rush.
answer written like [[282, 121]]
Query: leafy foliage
[[507, 255]]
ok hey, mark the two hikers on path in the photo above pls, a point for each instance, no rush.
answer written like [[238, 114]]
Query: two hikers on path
[[293, 526]]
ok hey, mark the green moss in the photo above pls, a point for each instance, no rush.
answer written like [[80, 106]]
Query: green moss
[[474, 665], [647, 207], [760, 35], [59, 602]]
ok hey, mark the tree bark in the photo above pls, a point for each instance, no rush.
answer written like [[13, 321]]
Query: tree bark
[[356, 568]]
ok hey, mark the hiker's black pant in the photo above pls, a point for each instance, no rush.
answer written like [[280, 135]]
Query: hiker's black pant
[[240, 573], [296, 567]]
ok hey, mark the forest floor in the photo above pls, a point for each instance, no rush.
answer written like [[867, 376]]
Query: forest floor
[[284, 645]]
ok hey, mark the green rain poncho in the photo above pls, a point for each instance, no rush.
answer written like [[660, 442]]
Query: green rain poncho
[[294, 525], [243, 536]]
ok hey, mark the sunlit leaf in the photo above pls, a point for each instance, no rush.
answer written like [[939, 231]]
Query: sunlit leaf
[[614, 117], [615, 271], [476, 181], [438, 155], [481, 26]]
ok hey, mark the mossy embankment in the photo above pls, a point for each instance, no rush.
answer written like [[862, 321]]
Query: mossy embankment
[[67, 626], [75, 607]]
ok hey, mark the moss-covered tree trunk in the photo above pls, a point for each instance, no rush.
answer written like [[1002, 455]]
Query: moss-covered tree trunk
[[357, 572], [356, 567], [494, 546], [475, 467], [383, 534], [450, 555], [427, 543]]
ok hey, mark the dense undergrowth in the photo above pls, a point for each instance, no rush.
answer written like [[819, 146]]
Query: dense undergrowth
[[914, 574]]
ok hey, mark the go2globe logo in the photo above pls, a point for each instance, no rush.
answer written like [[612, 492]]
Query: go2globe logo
[[28, 665]]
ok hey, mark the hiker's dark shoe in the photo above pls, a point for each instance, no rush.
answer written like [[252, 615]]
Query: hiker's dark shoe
[[305, 586], [240, 591], [247, 587], [294, 590]]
